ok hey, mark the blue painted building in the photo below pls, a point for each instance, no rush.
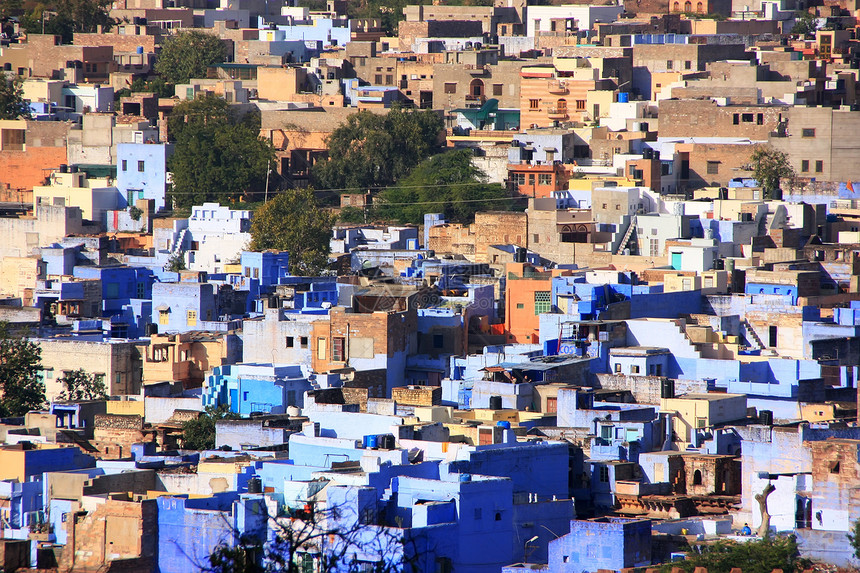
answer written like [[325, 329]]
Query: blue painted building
[[142, 172], [189, 529], [256, 388]]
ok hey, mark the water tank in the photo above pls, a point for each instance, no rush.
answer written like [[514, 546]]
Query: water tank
[[635, 126], [64, 168], [140, 49], [504, 424], [150, 329], [519, 255], [647, 153], [465, 477], [255, 485], [495, 402], [294, 411], [623, 97], [73, 168], [765, 417], [386, 442], [667, 389], [372, 441]]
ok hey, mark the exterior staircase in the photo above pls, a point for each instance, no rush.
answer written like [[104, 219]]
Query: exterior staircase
[[631, 228]]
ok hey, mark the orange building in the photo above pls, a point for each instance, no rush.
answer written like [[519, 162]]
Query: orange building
[[537, 180], [549, 96], [528, 294]]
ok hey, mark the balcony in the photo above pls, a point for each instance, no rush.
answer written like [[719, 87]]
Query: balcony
[[476, 98], [557, 87], [557, 113]]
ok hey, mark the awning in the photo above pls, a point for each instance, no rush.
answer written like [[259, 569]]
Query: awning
[[162, 308]]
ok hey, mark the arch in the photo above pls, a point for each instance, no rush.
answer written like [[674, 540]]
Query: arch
[[688, 6], [700, 8], [676, 7], [566, 229], [561, 105], [476, 88], [697, 477]]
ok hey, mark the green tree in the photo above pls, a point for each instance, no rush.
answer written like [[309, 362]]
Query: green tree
[[216, 158], [12, 102], [854, 538], [20, 374], [758, 556], [10, 8], [188, 55], [175, 263], [80, 385], [448, 183], [804, 24], [769, 166], [373, 151], [199, 433], [156, 85], [294, 222], [66, 17]]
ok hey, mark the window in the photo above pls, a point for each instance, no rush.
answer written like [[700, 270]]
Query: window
[[520, 306], [531, 179], [389, 79], [321, 348], [807, 132], [604, 474], [303, 341], [191, 317], [291, 397], [669, 64], [163, 318], [835, 467], [688, 65], [124, 165], [545, 178], [701, 422], [552, 405], [290, 341], [819, 166], [438, 341], [497, 89], [543, 302], [617, 367], [654, 250], [580, 105], [736, 119], [772, 336], [759, 119], [606, 432], [535, 238], [141, 290], [112, 290], [377, 79], [634, 369], [49, 373], [747, 117], [337, 348], [534, 104], [804, 166], [697, 477], [140, 166], [451, 87], [709, 282]]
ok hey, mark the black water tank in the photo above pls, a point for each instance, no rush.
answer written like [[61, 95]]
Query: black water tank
[[386, 442], [255, 485], [765, 417], [495, 402], [64, 168], [519, 255], [667, 388]]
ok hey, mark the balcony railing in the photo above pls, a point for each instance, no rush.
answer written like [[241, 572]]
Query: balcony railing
[[557, 113]]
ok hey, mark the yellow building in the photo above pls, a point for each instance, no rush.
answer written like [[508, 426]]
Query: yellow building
[[694, 411], [21, 461], [93, 196]]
